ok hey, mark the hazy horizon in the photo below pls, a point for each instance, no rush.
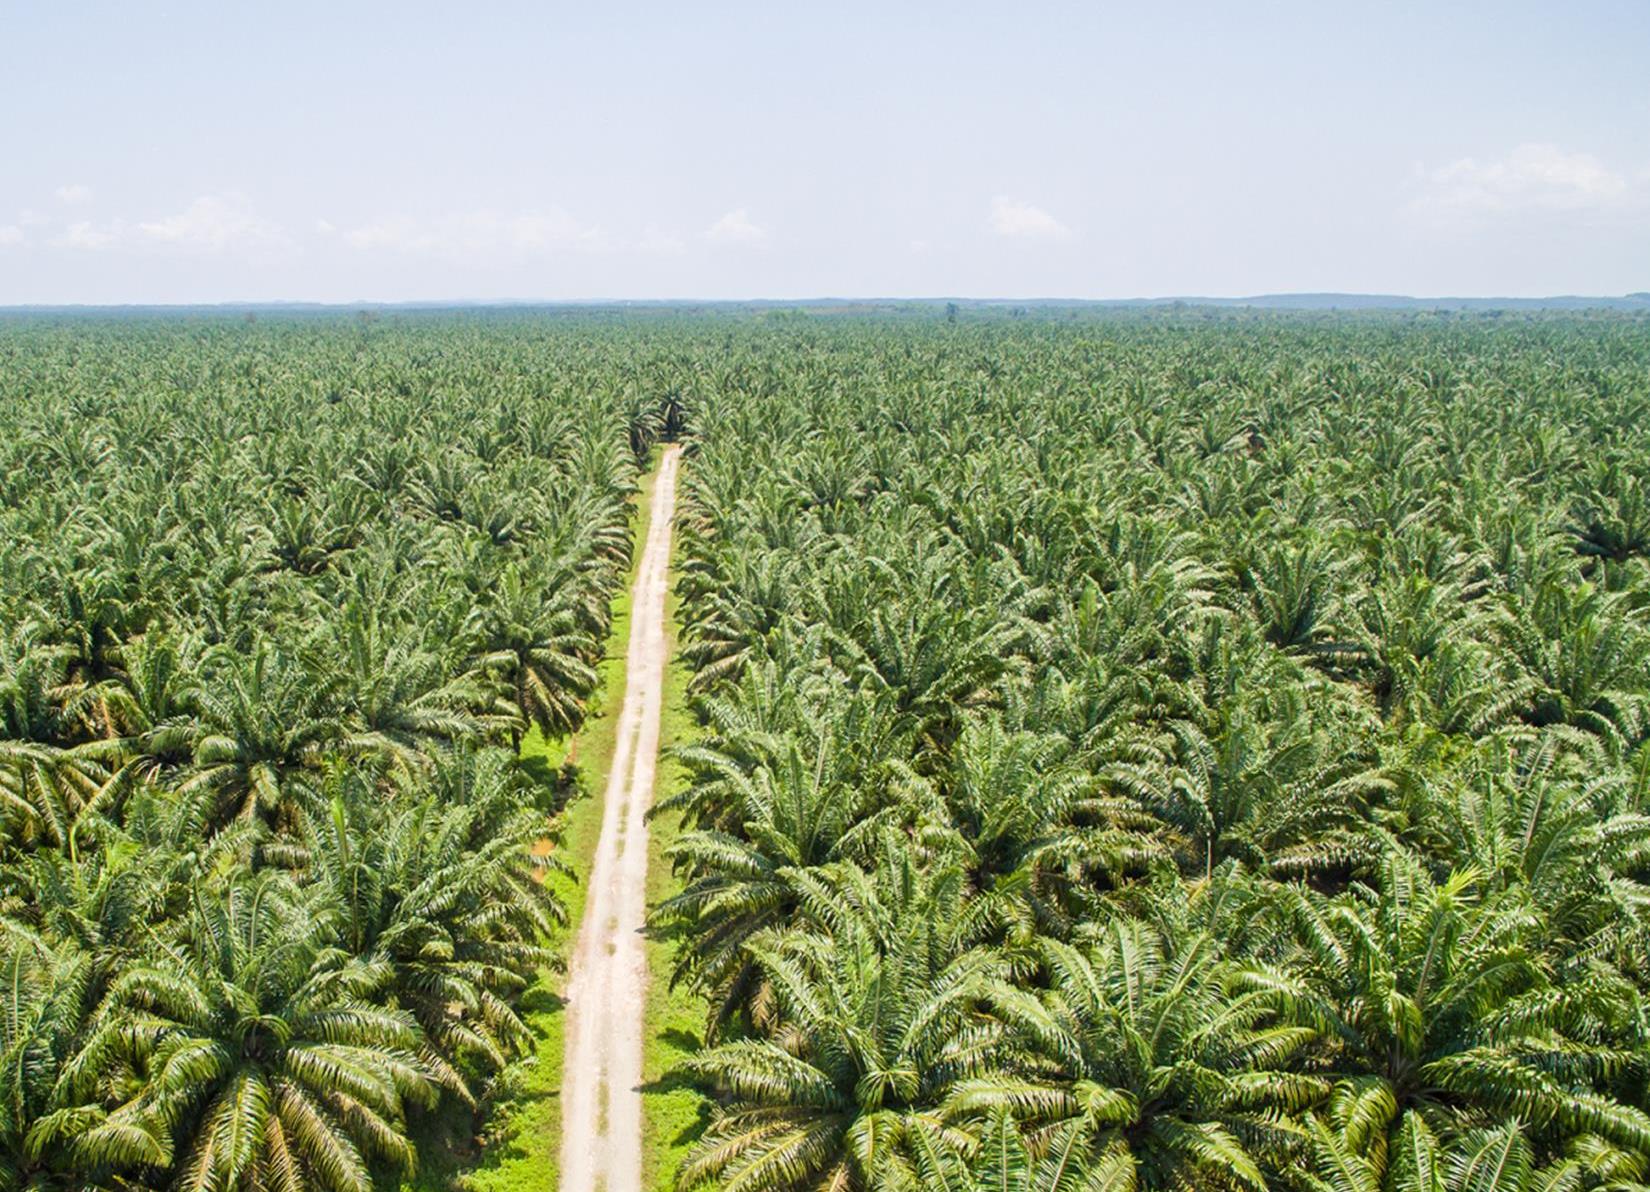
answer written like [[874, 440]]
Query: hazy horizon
[[195, 154]]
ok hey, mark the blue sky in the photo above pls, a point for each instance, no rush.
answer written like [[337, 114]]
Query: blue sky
[[219, 151]]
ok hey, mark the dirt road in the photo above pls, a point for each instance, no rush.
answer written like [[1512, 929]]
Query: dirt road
[[602, 1069]]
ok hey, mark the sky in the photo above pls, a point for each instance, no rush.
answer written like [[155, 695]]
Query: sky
[[364, 151]]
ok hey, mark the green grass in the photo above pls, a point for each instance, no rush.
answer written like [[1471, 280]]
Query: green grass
[[673, 1112], [522, 1147]]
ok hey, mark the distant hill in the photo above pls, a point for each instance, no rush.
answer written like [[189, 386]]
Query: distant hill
[[1637, 301]]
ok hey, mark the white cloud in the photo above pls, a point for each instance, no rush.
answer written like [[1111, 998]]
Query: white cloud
[[74, 192], [86, 235], [214, 223], [325, 226], [1021, 220], [10, 234], [210, 224], [553, 230], [1533, 177], [400, 234], [736, 228], [478, 233]]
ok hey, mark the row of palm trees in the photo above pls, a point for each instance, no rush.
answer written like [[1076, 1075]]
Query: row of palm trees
[[1165, 755], [278, 605]]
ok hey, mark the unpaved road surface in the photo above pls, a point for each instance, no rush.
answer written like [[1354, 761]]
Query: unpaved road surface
[[601, 1146]]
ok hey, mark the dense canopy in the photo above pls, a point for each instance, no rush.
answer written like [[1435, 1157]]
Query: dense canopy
[[1172, 753], [1156, 751]]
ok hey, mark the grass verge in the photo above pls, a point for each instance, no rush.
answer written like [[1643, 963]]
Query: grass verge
[[674, 1112]]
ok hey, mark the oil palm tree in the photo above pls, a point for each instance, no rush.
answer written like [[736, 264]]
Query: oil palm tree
[[448, 895], [44, 1010], [1063, 1160], [797, 813], [1485, 1159], [869, 1028], [252, 1053], [1145, 1046], [264, 722], [1432, 998], [1548, 815], [400, 692], [1585, 650], [528, 635]]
